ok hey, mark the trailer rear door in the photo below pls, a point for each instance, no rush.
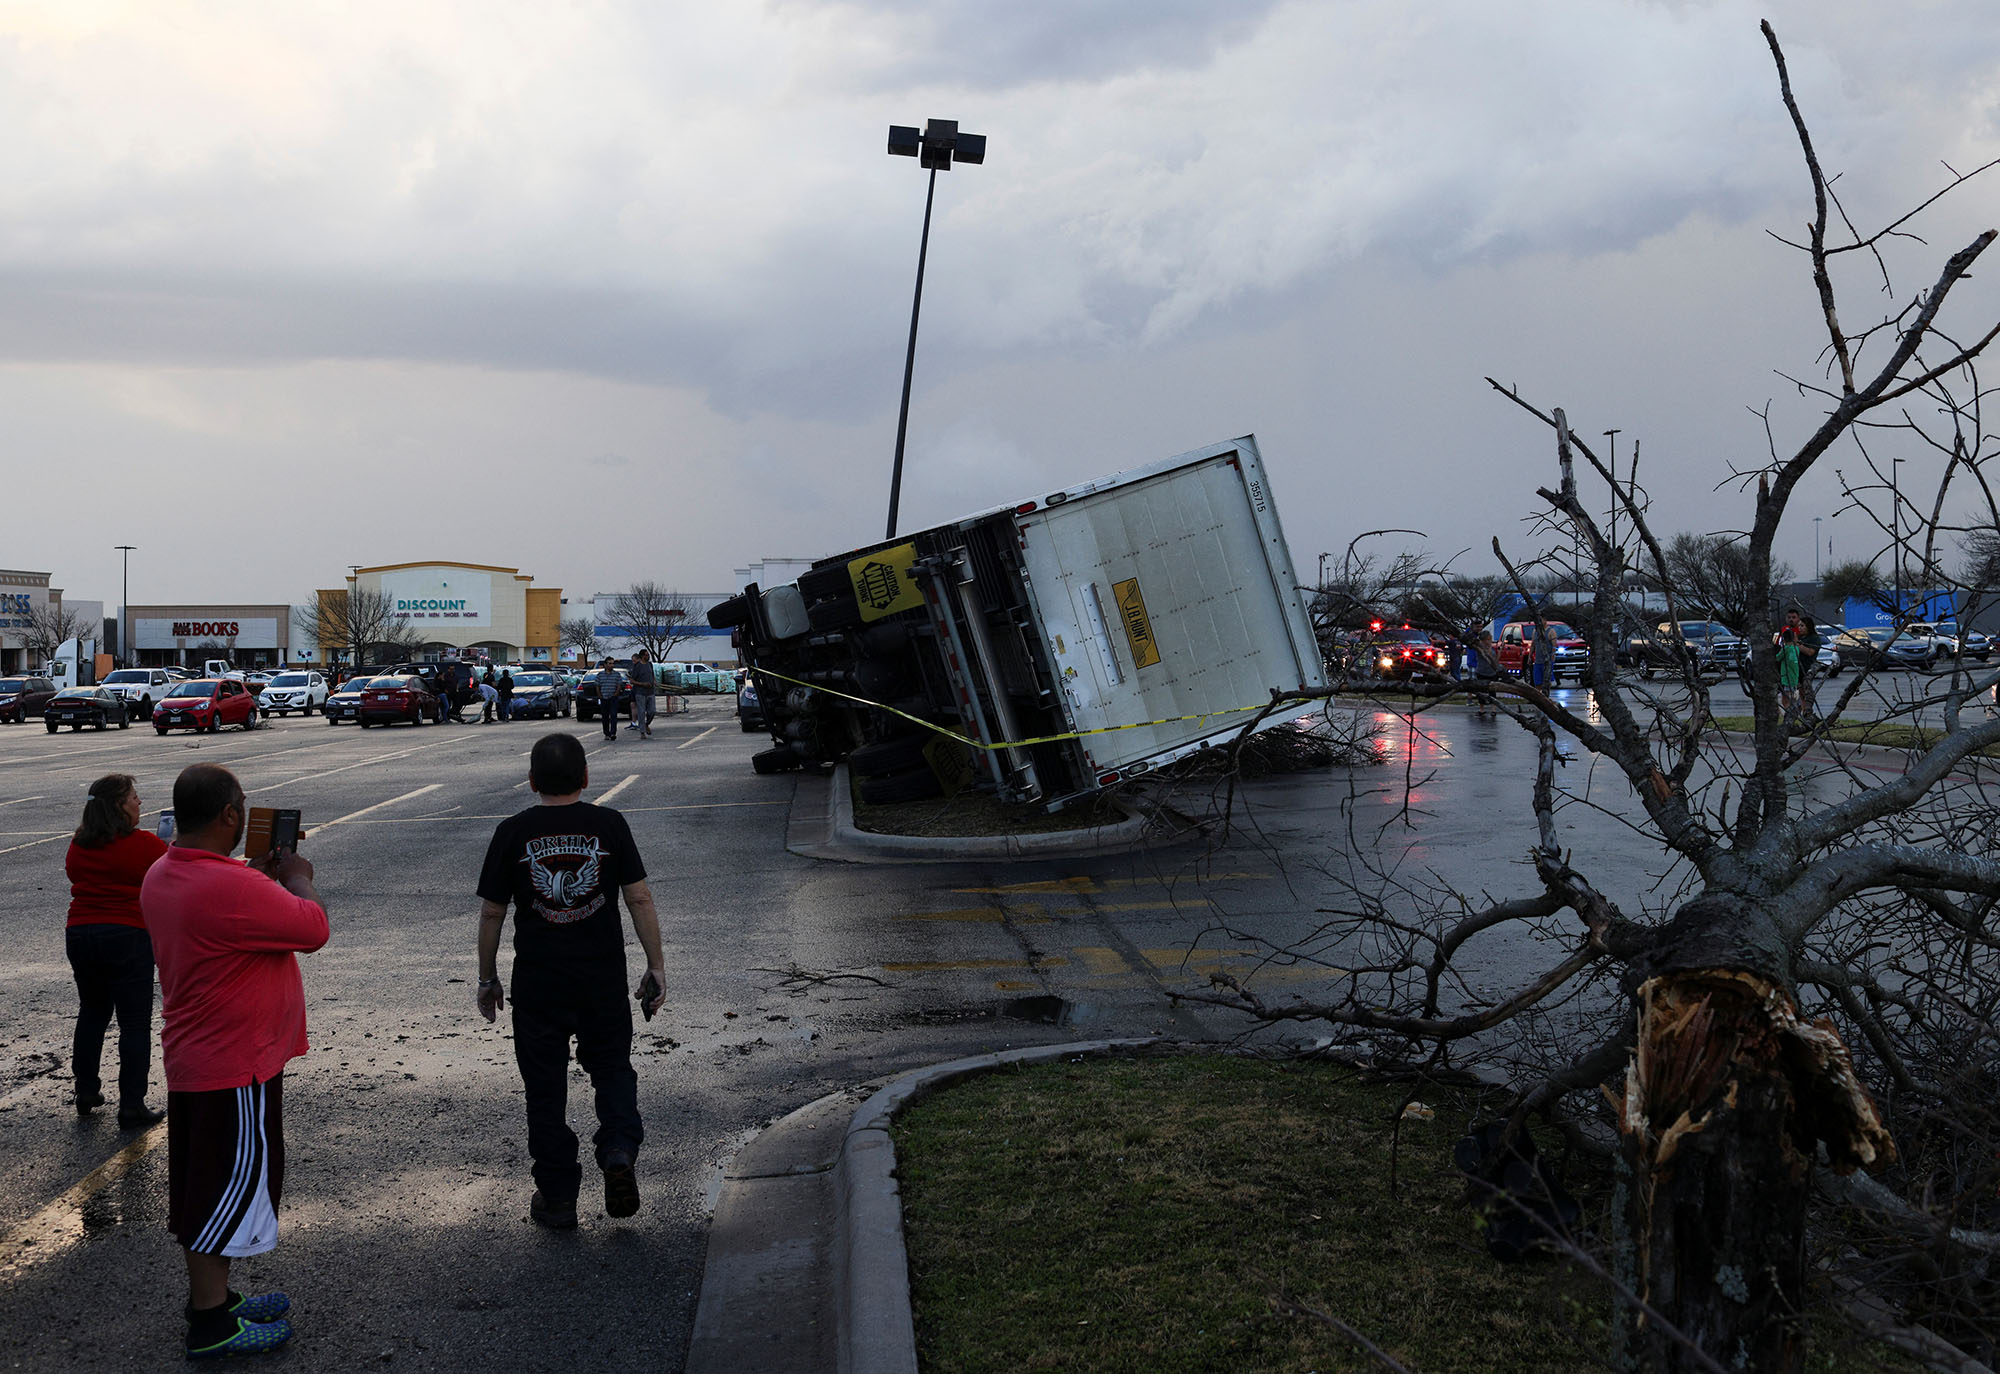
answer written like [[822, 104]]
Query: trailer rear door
[[1165, 594]]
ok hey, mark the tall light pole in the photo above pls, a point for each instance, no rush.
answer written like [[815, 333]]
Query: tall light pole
[[937, 147], [1896, 529], [125, 604], [1816, 520], [1612, 435]]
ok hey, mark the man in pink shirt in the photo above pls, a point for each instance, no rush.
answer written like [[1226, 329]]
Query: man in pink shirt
[[226, 936]]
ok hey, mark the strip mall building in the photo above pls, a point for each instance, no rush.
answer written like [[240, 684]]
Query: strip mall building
[[459, 609]]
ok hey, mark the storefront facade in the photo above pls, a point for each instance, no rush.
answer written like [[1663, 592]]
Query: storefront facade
[[249, 636], [452, 610]]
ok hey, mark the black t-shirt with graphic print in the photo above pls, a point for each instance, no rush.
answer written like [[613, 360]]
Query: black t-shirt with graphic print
[[560, 867]]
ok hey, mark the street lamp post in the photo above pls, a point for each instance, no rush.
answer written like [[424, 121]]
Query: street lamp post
[[1612, 435], [125, 604], [936, 146], [1816, 520], [1896, 530]]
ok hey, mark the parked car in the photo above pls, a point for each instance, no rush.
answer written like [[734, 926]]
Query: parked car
[[140, 687], [540, 695], [399, 696], [1571, 659], [1952, 643], [289, 692], [77, 707], [749, 707], [1715, 647], [206, 704], [1880, 646], [344, 703], [21, 697], [588, 706]]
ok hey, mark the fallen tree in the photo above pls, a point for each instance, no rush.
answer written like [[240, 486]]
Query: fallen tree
[[1819, 989]]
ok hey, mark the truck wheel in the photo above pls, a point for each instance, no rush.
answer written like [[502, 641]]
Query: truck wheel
[[914, 784], [887, 756], [52, 727], [727, 615], [779, 760]]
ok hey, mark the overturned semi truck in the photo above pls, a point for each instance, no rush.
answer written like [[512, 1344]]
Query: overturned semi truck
[[1047, 650]]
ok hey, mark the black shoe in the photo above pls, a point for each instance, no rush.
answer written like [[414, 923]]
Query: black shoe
[[548, 1214], [139, 1117], [621, 1185], [86, 1103]]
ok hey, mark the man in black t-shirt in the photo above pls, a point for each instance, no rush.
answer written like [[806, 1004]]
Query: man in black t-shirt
[[563, 865]]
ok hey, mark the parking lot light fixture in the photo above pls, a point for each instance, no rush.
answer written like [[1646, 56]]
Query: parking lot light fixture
[[125, 655], [936, 147]]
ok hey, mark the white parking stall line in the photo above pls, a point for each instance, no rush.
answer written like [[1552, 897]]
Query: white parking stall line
[[698, 738], [18, 800], [606, 799], [380, 758], [353, 815]]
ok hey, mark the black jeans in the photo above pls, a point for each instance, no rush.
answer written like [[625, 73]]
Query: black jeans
[[610, 716], [113, 966], [549, 1009]]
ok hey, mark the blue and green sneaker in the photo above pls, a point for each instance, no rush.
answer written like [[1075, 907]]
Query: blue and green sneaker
[[264, 1307], [249, 1338]]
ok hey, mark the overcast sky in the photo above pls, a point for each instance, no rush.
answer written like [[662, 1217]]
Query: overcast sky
[[614, 290]]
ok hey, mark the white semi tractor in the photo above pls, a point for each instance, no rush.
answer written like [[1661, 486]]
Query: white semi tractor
[[1055, 647]]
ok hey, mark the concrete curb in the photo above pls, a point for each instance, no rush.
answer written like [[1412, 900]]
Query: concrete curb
[[875, 1333], [845, 840]]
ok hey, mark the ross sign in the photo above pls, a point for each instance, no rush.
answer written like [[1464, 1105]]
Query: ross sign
[[884, 581], [1138, 625], [456, 596]]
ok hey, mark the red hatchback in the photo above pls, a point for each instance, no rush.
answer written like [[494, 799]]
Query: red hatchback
[[206, 704], [398, 696]]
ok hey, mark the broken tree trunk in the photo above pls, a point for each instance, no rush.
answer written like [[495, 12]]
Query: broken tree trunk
[[1728, 1096]]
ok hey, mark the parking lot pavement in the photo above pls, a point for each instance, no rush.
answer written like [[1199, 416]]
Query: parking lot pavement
[[406, 1196]]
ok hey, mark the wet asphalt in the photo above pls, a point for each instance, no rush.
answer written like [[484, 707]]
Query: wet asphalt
[[406, 1241]]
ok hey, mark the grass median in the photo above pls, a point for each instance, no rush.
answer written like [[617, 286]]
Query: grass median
[[1158, 1213]]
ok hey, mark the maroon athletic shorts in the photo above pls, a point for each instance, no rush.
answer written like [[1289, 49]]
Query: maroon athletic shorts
[[226, 1168]]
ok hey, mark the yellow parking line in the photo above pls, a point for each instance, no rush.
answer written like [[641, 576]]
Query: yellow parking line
[[969, 913], [59, 1225], [1079, 885]]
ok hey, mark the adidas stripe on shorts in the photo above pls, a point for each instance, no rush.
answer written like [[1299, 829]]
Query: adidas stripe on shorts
[[226, 1168]]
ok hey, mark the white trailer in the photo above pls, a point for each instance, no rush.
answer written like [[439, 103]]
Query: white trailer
[[1076, 639]]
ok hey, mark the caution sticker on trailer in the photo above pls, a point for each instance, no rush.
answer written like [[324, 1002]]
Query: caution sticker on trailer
[[1138, 625], [884, 583]]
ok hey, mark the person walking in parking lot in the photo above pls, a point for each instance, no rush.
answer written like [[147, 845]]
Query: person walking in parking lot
[[644, 684], [563, 865], [227, 936], [110, 954], [608, 684]]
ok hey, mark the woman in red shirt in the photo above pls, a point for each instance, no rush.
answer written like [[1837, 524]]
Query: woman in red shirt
[[109, 951]]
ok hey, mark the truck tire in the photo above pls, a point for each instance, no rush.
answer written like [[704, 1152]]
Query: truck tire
[[779, 760], [887, 756], [912, 784], [727, 615]]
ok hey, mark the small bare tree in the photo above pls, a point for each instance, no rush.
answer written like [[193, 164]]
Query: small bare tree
[[1826, 941], [1714, 578], [653, 616], [578, 634], [50, 626], [361, 623]]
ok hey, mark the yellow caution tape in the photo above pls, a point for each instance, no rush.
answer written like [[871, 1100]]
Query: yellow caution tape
[[1008, 744]]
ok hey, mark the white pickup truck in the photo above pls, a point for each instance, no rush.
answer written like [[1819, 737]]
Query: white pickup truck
[[141, 688], [1088, 635]]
